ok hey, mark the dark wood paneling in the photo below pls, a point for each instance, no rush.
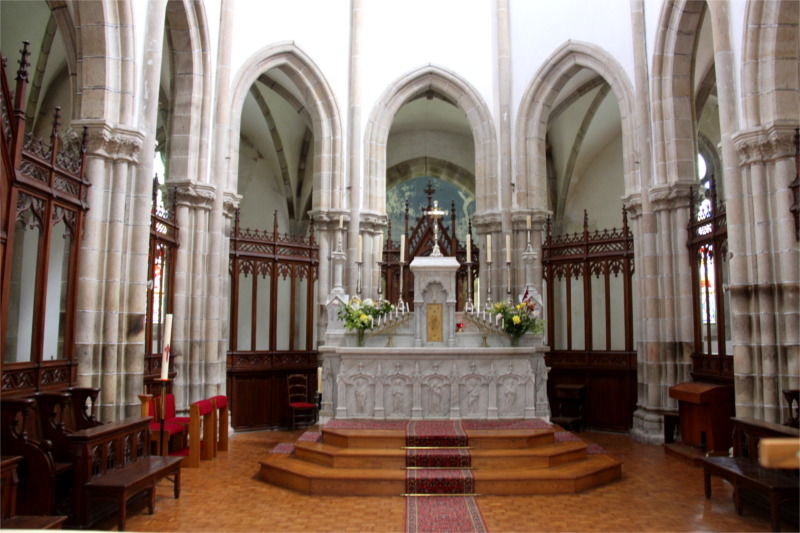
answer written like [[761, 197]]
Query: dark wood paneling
[[257, 386], [610, 380]]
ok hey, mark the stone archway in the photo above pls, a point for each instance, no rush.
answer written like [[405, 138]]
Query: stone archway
[[537, 104], [466, 98], [328, 178]]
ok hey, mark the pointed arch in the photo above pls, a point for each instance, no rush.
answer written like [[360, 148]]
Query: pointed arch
[[190, 87], [770, 91], [537, 104], [322, 108], [105, 44], [466, 98]]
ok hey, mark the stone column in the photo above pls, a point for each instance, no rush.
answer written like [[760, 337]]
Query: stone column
[[765, 275], [355, 178], [111, 300]]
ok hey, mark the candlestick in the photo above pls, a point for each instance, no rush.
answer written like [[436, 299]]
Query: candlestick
[[167, 341], [508, 248], [469, 248]]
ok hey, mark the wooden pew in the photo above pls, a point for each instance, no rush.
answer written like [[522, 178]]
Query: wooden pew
[[83, 408], [113, 462], [743, 471], [37, 470], [8, 489]]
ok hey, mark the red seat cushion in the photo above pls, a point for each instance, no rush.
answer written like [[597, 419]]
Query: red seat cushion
[[302, 405], [169, 427], [183, 420]]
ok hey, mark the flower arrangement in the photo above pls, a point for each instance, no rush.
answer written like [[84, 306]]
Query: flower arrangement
[[362, 315], [517, 320]]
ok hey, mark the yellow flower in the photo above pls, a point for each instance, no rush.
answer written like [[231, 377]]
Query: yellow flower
[[515, 319], [520, 306], [364, 318], [498, 305]]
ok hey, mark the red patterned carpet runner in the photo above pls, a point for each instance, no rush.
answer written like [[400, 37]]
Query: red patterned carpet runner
[[435, 433], [436, 514]]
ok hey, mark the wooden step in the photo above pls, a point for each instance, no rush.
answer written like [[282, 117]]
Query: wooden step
[[542, 456], [478, 439], [287, 471]]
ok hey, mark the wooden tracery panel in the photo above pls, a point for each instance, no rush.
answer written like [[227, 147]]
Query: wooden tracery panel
[[43, 192], [267, 342], [589, 348], [160, 287], [708, 248]]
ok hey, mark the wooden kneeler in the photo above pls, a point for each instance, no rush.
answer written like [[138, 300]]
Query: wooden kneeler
[[220, 423], [201, 416]]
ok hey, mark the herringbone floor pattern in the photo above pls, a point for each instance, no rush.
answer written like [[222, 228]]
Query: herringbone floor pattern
[[657, 492]]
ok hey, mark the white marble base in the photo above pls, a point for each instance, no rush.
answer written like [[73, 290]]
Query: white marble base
[[433, 383]]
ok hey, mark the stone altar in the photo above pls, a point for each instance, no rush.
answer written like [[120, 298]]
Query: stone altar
[[433, 363]]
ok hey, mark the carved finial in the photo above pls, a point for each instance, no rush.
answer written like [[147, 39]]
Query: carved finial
[[22, 73], [56, 122]]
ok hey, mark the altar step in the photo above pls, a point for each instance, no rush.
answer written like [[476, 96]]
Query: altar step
[[504, 462]]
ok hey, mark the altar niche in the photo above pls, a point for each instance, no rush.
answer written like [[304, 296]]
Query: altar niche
[[435, 300], [420, 241]]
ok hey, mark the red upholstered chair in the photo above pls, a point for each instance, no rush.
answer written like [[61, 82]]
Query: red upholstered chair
[[304, 413], [221, 423], [172, 431]]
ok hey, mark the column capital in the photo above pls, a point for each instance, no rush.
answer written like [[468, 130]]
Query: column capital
[[765, 143], [192, 194], [109, 142]]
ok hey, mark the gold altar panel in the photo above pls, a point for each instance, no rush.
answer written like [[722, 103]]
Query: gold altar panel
[[434, 322]]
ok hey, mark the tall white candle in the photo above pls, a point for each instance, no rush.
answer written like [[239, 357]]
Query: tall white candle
[[488, 248], [528, 221], [402, 248], [380, 247], [319, 379], [167, 341], [341, 221], [508, 248], [469, 248], [360, 248]]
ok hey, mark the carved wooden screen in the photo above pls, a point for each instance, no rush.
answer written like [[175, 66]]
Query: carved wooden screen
[[419, 243], [795, 186], [160, 285], [589, 306], [272, 322], [708, 245], [43, 196]]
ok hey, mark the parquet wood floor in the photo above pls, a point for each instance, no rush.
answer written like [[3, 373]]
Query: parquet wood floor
[[657, 492]]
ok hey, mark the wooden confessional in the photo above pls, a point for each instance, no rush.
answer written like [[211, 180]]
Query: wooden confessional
[[271, 323], [589, 306]]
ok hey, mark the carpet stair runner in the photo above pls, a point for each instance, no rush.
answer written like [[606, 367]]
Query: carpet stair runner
[[507, 457]]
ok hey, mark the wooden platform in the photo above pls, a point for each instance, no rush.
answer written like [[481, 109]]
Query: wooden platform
[[505, 462]]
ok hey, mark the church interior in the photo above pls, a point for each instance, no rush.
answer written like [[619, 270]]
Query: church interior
[[471, 265]]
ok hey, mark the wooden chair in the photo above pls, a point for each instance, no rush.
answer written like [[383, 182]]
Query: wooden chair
[[201, 434], [304, 413], [220, 422], [172, 431]]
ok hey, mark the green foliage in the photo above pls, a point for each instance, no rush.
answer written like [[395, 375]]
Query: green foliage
[[519, 319], [360, 315]]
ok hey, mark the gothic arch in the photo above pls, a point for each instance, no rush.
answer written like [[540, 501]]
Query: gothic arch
[[537, 104], [770, 63], [466, 97], [329, 188], [102, 50], [186, 28]]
